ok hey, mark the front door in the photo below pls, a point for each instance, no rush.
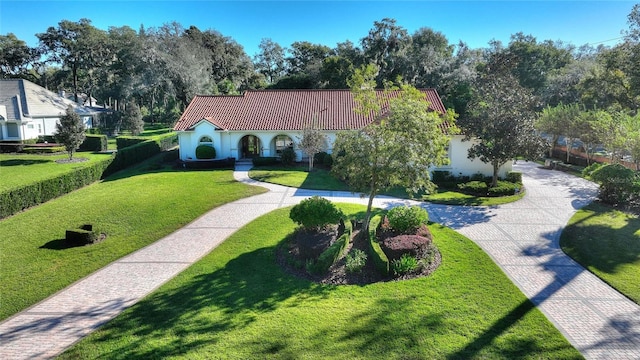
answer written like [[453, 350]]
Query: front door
[[250, 146]]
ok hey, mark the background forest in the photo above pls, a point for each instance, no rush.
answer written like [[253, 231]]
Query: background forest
[[161, 69]]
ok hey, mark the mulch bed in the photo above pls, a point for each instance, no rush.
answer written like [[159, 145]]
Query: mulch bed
[[337, 274]]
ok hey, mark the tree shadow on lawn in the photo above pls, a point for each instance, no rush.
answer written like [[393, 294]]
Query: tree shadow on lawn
[[23, 162], [199, 312]]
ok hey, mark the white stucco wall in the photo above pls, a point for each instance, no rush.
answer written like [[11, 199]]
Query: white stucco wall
[[461, 165], [228, 144]]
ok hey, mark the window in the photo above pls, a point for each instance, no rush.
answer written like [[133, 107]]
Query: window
[[206, 140], [283, 142]]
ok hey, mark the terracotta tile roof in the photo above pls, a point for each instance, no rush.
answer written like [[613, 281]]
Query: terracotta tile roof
[[283, 110]]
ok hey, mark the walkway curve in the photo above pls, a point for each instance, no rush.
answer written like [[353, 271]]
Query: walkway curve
[[522, 238]]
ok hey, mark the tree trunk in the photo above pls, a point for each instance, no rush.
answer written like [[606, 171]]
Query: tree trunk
[[569, 143], [496, 167], [75, 82], [367, 218], [553, 145], [310, 163]]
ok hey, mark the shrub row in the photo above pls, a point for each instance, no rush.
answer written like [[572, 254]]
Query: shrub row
[[141, 151], [333, 252], [123, 142], [29, 195], [43, 150], [264, 161], [164, 141], [94, 143], [210, 164], [378, 256]]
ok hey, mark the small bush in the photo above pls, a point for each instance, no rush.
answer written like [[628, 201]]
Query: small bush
[[474, 187], [264, 161], [288, 156], [380, 260], [504, 188], [404, 265], [616, 184], [355, 261], [205, 152], [440, 176], [315, 213], [94, 143], [318, 158], [514, 177], [589, 170], [407, 219]]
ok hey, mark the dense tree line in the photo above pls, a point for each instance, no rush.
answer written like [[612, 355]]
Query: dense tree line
[[162, 68]]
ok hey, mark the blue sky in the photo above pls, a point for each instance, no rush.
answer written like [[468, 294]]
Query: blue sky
[[329, 22]]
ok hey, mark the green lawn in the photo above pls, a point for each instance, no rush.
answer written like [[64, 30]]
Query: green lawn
[[237, 303], [20, 169], [299, 177], [607, 242], [321, 179], [134, 208]]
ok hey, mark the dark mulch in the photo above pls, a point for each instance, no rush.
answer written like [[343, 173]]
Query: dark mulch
[[289, 258]]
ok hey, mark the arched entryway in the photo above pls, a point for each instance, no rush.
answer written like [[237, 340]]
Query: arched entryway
[[250, 147]]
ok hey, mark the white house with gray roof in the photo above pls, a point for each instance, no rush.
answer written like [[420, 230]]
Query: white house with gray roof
[[28, 110]]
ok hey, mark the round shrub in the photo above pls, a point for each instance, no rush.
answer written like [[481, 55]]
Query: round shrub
[[318, 158], [616, 184], [288, 156], [315, 213], [205, 152], [407, 219]]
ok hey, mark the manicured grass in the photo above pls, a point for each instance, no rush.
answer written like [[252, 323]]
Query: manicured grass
[[237, 303], [321, 179], [607, 242], [134, 208], [457, 198], [20, 169], [299, 177]]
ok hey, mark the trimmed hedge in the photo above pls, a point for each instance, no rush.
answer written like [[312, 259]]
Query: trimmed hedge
[[141, 151], [80, 237], [514, 177], [205, 152], [43, 150], [123, 142], [29, 195], [228, 163], [378, 256], [20, 198], [504, 188], [94, 143], [264, 161]]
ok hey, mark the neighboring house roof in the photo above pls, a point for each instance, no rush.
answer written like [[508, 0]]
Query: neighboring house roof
[[282, 110], [24, 99]]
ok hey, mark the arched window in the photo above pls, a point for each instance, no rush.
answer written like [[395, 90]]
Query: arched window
[[206, 140], [283, 142]]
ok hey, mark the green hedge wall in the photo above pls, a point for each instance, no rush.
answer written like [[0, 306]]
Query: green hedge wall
[[378, 257], [29, 195], [94, 143], [18, 199], [165, 141]]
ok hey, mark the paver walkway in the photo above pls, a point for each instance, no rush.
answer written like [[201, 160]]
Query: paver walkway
[[521, 237]]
